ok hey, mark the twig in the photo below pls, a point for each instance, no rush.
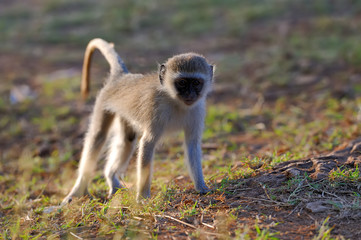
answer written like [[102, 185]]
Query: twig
[[214, 234], [138, 218], [323, 191], [208, 225], [298, 188], [239, 189], [265, 190], [192, 226], [75, 235], [42, 190], [294, 209], [266, 200], [331, 194], [177, 220], [310, 217], [205, 224]]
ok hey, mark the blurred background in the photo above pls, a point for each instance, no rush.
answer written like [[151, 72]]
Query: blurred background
[[261, 48], [288, 79], [263, 42]]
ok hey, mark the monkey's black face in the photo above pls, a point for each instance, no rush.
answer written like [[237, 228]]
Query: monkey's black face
[[189, 89]]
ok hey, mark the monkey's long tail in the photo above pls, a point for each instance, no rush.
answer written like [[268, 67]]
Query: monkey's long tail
[[117, 65]]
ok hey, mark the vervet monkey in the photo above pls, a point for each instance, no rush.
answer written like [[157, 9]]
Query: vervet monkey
[[148, 106]]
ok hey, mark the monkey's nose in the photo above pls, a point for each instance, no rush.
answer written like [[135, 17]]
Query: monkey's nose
[[189, 101]]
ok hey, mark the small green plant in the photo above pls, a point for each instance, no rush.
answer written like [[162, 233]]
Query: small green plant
[[324, 231], [343, 174], [189, 211], [264, 234]]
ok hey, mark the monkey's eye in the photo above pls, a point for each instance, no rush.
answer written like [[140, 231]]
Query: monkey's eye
[[182, 83], [196, 82]]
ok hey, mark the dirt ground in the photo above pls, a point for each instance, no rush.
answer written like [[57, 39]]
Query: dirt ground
[[266, 199]]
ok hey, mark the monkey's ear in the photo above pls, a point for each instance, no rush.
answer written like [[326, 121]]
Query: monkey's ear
[[161, 73], [212, 69]]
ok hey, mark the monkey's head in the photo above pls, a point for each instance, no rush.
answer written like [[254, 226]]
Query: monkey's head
[[188, 77]]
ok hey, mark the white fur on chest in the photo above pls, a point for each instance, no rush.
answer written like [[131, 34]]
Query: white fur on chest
[[176, 122]]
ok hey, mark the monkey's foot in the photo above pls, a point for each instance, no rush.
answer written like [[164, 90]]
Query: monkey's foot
[[112, 191], [203, 190], [114, 185], [141, 200], [142, 197], [66, 200], [71, 195]]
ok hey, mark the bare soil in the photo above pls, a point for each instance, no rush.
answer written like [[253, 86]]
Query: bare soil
[[293, 211]]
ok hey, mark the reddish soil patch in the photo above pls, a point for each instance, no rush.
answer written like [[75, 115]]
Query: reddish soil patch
[[299, 195]]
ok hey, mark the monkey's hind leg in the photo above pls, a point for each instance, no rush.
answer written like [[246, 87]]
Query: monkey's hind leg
[[120, 152], [99, 125], [145, 165]]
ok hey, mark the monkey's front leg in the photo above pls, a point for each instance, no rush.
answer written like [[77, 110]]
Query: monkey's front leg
[[145, 166], [193, 158]]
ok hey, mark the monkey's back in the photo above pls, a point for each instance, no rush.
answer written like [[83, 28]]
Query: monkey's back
[[119, 93]]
